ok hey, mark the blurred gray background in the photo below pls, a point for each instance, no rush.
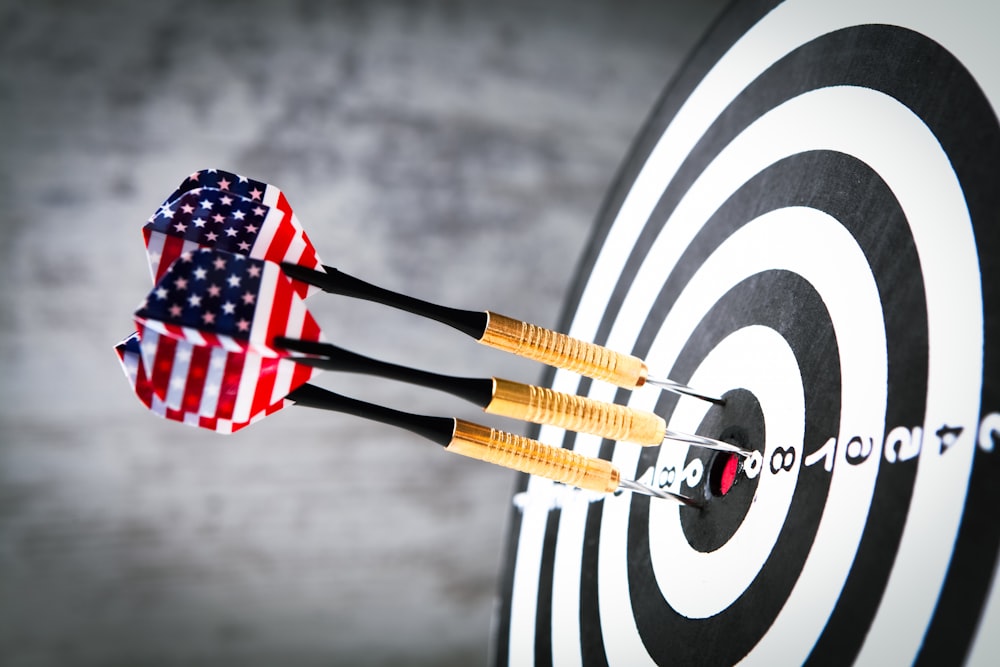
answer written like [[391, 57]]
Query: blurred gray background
[[457, 151]]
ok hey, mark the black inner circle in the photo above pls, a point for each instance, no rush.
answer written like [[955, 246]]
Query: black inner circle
[[740, 421]]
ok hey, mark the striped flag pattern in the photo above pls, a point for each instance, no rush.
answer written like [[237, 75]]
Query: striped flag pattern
[[220, 203], [213, 383], [130, 355]]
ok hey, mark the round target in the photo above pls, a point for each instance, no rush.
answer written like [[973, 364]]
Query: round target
[[808, 226]]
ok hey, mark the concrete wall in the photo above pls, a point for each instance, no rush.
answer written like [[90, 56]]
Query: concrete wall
[[454, 150]]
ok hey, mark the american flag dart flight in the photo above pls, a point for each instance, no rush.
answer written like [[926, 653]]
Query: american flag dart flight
[[219, 209]]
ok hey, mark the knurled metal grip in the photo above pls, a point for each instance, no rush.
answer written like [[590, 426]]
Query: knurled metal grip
[[533, 457], [559, 350], [575, 413]]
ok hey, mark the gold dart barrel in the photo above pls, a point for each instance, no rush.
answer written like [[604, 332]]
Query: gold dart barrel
[[575, 413], [559, 350], [533, 457]]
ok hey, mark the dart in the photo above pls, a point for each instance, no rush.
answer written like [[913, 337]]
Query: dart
[[492, 446], [455, 435], [216, 299], [505, 333], [183, 223], [508, 398]]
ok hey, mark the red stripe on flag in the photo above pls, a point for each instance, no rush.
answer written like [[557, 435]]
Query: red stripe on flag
[[310, 331], [308, 259], [175, 331], [201, 357], [209, 338], [301, 288], [230, 385], [284, 234], [236, 426], [265, 385], [163, 365], [139, 381], [308, 256], [277, 321], [173, 247], [143, 389]]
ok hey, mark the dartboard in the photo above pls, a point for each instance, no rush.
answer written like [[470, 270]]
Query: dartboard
[[809, 227]]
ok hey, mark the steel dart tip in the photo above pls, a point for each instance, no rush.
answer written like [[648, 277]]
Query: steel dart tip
[[707, 443], [698, 440], [639, 487], [683, 389]]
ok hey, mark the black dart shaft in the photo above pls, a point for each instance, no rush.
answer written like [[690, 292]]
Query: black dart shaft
[[334, 358], [435, 429], [334, 281]]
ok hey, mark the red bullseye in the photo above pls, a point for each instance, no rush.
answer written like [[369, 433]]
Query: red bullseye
[[725, 468]]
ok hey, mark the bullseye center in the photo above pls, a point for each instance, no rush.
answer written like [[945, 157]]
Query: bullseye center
[[722, 475]]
